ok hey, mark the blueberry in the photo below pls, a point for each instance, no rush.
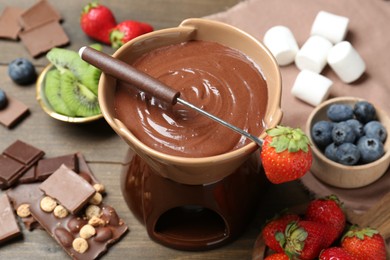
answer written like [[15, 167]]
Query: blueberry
[[364, 111], [339, 112], [343, 133], [3, 99], [356, 126], [330, 152], [370, 149], [348, 154], [321, 133], [22, 71], [375, 129]]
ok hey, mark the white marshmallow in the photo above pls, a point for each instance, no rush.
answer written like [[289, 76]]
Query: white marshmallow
[[346, 62], [313, 54], [311, 87], [282, 44], [331, 26]]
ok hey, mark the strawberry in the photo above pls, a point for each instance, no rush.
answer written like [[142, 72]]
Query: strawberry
[[305, 239], [128, 30], [335, 253], [274, 228], [97, 21], [364, 243], [285, 154], [277, 256], [327, 211]]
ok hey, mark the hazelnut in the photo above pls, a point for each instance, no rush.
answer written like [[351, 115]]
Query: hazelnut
[[80, 245], [60, 212], [96, 199], [87, 231], [48, 204], [91, 211], [95, 221], [23, 210], [99, 187]]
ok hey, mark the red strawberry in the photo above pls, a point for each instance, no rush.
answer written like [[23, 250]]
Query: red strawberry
[[285, 154], [128, 30], [364, 243], [327, 211], [335, 253], [277, 256], [305, 239], [274, 228], [97, 21]]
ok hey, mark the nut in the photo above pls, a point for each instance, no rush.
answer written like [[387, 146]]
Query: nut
[[99, 187], [23, 210], [87, 231], [48, 204], [96, 199], [92, 211], [60, 212], [80, 245], [95, 221]]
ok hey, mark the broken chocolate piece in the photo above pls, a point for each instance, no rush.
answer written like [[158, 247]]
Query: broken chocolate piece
[[41, 39], [38, 14], [10, 171], [9, 22], [46, 167], [8, 225], [14, 112], [25, 194], [60, 186], [23, 152]]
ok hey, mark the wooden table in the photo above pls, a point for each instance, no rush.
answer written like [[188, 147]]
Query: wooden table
[[103, 149]]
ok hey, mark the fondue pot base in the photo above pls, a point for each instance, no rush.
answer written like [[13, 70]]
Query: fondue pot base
[[192, 217]]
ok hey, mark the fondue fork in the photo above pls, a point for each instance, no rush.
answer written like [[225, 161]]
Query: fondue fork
[[142, 81]]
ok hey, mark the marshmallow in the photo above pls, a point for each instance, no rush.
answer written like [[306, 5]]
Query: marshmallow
[[346, 62], [282, 44], [313, 54], [311, 87], [331, 26]]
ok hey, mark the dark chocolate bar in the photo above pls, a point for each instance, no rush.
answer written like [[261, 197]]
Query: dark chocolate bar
[[47, 166]]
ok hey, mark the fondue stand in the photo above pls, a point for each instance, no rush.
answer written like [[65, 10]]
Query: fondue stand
[[188, 203]]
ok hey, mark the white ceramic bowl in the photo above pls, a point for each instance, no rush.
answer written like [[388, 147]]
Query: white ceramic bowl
[[344, 176]]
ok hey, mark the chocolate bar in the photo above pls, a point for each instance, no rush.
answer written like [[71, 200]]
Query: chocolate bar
[[13, 113], [62, 181], [40, 13], [46, 167], [8, 225], [9, 22]]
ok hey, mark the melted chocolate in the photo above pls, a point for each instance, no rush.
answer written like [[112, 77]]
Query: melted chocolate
[[213, 77]]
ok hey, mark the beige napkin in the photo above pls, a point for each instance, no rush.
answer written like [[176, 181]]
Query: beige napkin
[[369, 35]]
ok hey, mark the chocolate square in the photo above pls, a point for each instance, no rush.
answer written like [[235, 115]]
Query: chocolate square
[[10, 171], [40, 13], [9, 22], [48, 166], [42, 38], [8, 225], [23, 152], [60, 186], [13, 112]]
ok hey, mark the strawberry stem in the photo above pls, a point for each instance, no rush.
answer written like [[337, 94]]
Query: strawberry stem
[[287, 138]]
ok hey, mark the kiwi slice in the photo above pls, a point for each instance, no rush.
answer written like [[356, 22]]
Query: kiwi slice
[[53, 93], [64, 59], [78, 97]]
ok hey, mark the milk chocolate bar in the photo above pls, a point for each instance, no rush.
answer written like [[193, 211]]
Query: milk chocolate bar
[[13, 113], [8, 225], [64, 180], [40, 13], [47, 166], [9, 22]]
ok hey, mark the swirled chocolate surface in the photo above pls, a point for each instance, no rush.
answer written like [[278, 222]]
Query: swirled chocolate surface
[[213, 77]]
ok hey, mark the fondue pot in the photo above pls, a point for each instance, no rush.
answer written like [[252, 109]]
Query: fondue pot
[[193, 203]]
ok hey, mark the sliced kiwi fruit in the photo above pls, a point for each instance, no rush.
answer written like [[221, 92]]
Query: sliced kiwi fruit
[[87, 74], [77, 96], [53, 93]]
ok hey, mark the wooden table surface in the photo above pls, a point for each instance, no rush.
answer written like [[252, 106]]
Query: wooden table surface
[[103, 149]]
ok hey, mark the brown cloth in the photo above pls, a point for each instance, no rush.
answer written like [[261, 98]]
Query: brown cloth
[[368, 32]]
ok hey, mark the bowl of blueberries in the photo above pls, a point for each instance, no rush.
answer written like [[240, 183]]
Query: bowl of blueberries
[[349, 142]]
